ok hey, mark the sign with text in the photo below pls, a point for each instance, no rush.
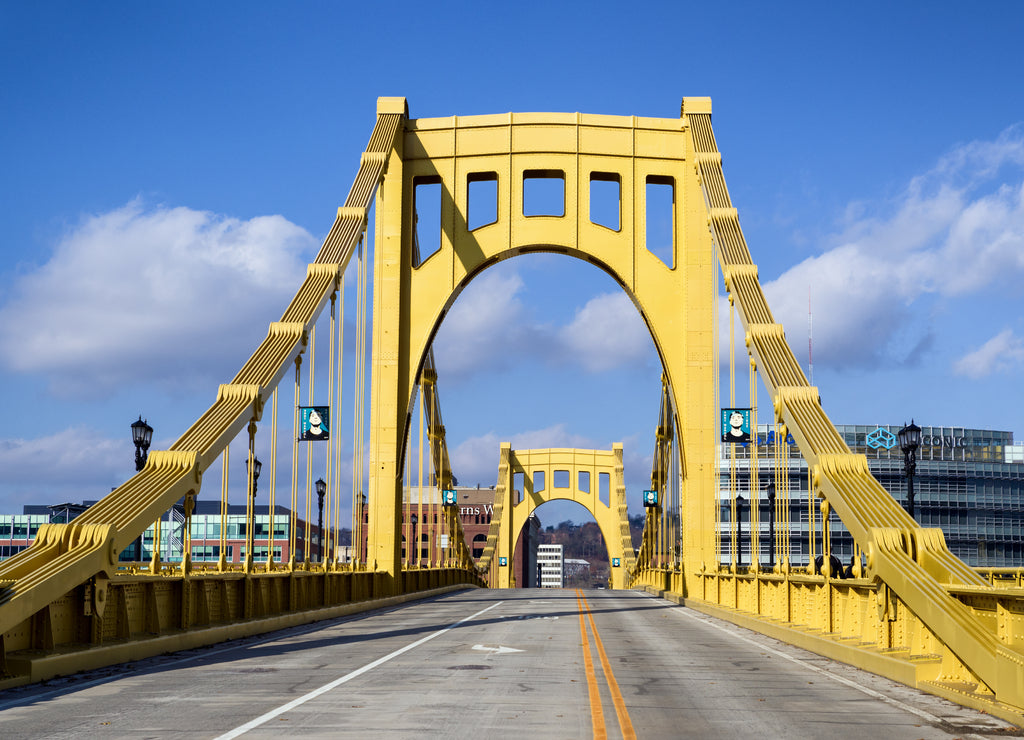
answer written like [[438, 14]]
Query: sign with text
[[449, 497], [314, 423], [650, 498]]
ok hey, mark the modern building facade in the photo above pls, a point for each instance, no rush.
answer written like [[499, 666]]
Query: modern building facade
[[969, 483], [17, 532], [550, 566]]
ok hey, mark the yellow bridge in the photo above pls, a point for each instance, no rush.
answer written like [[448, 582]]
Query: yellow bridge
[[912, 611]]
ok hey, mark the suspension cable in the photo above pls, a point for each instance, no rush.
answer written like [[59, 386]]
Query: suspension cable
[[271, 509], [224, 508], [732, 446], [309, 449], [358, 401], [754, 478], [419, 496], [336, 422], [293, 518], [325, 549]]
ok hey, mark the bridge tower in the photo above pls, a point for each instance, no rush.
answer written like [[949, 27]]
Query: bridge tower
[[413, 291], [568, 475]]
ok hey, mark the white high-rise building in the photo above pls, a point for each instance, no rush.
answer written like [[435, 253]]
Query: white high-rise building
[[550, 565]]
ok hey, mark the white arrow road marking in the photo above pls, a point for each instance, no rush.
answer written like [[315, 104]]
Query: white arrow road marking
[[496, 649]]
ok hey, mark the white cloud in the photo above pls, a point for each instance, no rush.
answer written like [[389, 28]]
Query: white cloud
[[1001, 353], [607, 332], [956, 231], [490, 327], [70, 465], [485, 328], [166, 295], [475, 459]]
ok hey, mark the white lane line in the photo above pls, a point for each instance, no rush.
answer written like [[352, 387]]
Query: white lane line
[[241, 643], [927, 716], [242, 729], [200, 653]]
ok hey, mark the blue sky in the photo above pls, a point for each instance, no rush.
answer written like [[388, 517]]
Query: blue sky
[[168, 169]]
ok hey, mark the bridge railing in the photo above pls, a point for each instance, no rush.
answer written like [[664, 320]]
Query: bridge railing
[[915, 600]]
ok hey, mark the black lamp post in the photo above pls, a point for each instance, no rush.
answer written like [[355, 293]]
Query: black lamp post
[[142, 435], [910, 440], [771, 523], [415, 538], [321, 491]]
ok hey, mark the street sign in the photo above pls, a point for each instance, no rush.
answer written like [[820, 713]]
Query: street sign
[[650, 498], [314, 423]]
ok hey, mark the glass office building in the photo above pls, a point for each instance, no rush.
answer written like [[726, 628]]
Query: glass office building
[[17, 531], [969, 483]]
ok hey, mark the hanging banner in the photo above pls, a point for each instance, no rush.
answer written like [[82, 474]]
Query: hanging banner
[[736, 426], [314, 423]]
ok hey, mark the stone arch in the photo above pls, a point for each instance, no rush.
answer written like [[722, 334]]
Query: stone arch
[[411, 296]]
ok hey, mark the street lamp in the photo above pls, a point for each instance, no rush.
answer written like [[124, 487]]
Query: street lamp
[[771, 523], [415, 538], [910, 440], [142, 435], [257, 466], [321, 491]]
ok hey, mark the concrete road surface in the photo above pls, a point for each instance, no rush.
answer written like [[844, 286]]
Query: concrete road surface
[[527, 664]]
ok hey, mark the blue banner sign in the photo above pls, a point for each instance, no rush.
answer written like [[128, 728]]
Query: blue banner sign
[[449, 497], [736, 426], [650, 498], [314, 423]]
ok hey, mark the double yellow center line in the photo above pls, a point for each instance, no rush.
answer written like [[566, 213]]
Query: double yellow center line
[[596, 710]]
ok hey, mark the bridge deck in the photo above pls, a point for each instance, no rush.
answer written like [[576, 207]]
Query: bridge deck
[[487, 663]]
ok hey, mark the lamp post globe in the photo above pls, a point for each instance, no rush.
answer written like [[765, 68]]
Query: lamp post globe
[[910, 441], [142, 435], [257, 466]]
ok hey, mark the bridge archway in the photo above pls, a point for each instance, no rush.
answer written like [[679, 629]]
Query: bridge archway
[[674, 290], [547, 475]]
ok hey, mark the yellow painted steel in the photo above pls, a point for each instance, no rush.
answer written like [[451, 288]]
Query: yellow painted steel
[[65, 602], [411, 298], [918, 614], [582, 471], [915, 613]]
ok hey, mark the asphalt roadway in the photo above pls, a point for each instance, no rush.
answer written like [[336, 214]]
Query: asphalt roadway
[[493, 664]]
